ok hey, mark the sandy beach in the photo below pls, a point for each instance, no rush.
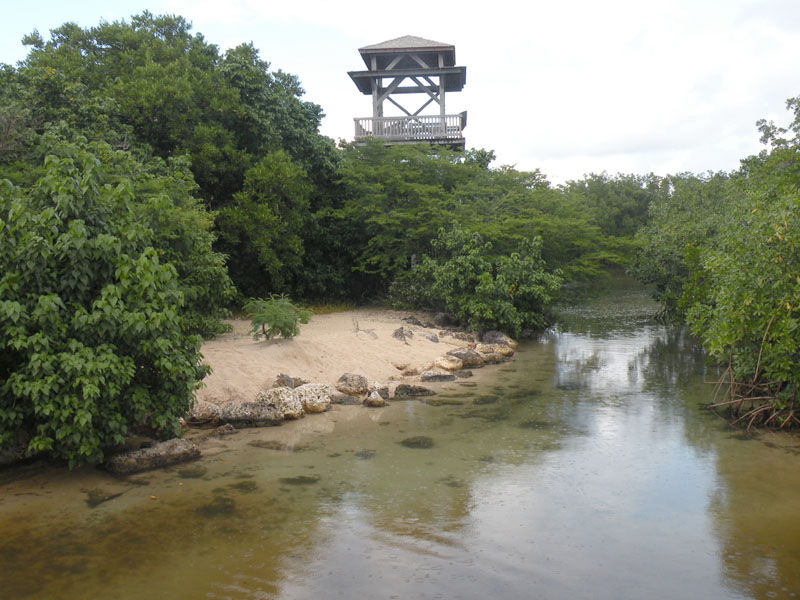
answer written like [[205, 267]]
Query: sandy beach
[[355, 341]]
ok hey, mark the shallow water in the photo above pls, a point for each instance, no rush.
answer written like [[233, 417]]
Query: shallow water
[[584, 468]]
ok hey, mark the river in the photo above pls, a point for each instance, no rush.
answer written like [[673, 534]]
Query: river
[[584, 468]]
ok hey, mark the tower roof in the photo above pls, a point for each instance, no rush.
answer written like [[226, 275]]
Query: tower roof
[[408, 43]]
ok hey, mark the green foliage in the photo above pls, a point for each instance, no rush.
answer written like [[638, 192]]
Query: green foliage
[[682, 225], [261, 229], [619, 204], [506, 292], [92, 337], [749, 309], [724, 252], [154, 88], [276, 316], [397, 198]]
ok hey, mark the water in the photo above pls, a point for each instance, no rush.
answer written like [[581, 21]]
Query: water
[[585, 468]]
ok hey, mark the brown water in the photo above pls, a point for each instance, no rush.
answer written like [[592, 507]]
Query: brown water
[[585, 468]]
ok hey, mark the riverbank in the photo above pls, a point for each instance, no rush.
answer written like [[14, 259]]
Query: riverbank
[[356, 341]]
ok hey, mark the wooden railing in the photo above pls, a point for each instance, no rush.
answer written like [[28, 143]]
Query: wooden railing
[[420, 128]]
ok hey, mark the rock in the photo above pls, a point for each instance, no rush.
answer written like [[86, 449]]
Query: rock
[[203, 412], [11, 455], [493, 358], [410, 372], [443, 319], [449, 363], [400, 366], [420, 442], [408, 390], [284, 399], [503, 349], [403, 334], [469, 358], [463, 336], [284, 380], [381, 388], [156, 456], [463, 374], [315, 397], [353, 385], [224, 430], [413, 321], [375, 400], [430, 337], [497, 337], [344, 399], [255, 414], [437, 376]]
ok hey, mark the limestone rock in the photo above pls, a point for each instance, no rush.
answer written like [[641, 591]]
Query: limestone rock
[[203, 412], [400, 366], [432, 337], [255, 414], [315, 397], [284, 399], [156, 456], [443, 319], [493, 358], [469, 358], [497, 337], [463, 374], [437, 376], [403, 334], [345, 399], [284, 380], [484, 348], [413, 321], [408, 390], [375, 400], [463, 336], [353, 385], [449, 363], [410, 372], [381, 388]]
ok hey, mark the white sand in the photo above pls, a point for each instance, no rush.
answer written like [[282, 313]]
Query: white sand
[[355, 341]]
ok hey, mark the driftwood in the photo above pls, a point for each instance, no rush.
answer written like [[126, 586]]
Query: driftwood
[[357, 330]]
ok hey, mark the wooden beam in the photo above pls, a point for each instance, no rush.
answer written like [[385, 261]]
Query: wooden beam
[[427, 91], [415, 90], [396, 60], [423, 107], [391, 88], [400, 106], [420, 62]]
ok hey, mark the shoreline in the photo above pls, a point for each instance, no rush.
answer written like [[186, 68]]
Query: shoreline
[[358, 341]]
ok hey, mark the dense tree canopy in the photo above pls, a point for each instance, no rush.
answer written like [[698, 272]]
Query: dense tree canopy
[[723, 252], [93, 332]]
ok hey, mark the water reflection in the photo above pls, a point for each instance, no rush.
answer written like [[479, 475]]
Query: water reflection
[[583, 469]]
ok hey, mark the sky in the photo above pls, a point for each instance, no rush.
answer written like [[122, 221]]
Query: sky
[[570, 87]]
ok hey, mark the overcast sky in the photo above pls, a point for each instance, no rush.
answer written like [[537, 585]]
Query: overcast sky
[[568, 86]]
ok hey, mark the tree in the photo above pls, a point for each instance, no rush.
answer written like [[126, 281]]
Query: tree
[[91, 334], [461, 276], [262, 229]]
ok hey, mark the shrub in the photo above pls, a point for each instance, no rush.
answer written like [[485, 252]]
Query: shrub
[[506, 292], [276, 316], [92, 338]]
